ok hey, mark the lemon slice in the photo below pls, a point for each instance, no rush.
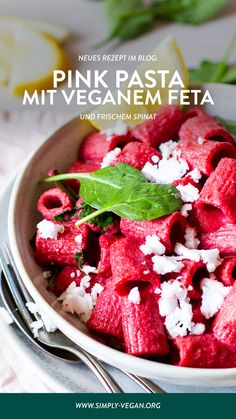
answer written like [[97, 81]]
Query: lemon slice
[[169, 58], [35, 57], [6, 53], [57, 31]]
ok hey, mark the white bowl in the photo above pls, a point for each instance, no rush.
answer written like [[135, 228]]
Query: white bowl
[[58, 151]]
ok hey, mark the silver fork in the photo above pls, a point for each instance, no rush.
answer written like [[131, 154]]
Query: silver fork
[[56, 343]]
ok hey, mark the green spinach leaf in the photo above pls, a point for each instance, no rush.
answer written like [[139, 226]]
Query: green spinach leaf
[[123, 190]]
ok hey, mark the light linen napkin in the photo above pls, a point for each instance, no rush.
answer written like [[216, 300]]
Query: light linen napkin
[[20, 134]]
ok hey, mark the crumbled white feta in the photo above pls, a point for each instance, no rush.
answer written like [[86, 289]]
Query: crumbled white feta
[[185, 209], [72, 275], [171, 292], [96, 291], [198, 329], [43, 322], [195, 174], [213, 295], [191, 240], [87, 269], [157, 291], [49, 230], [47, 274], [118, 129], [153, 246], [5, 316], [77, 300], [134, 296], [174, 305], [188, 192], [210, 257], [166, 264], [36, 326], [110, 157], [155, 159], [186, 253], [146, 272], [167, 171], [201, 140], [85, 281], [78, 238], [167, 149]]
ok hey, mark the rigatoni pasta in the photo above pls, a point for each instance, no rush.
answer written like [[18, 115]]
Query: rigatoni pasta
[[162, 288]]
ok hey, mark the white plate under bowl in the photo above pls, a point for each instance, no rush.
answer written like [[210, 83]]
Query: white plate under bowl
[[58, 151]]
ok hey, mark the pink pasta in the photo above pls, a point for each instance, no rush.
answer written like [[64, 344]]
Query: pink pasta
[[216, 204], [62, 250], [130, 267], [223, 239], [205, 155], [97, 145], [106, 316], [53, 202], [163, 127], [143, 328], [226, 273], [137, 154], [170, 229], [164, 288], [204, 126], [224, 326]]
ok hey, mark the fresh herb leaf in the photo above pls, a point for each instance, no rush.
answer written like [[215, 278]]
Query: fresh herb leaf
[[66, 216], [217, 71], [79, 257], [123, 190], [208, 72], [60, 217], [230, 75], [188, 11], [131, 18], [229, 125], [103, 221], [205, 73]]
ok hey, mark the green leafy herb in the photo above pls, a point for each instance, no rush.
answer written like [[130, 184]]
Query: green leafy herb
[[79, 257], [66, 216], [127, 19], [123, 190], [217, 71], [103, 220], [188, 11], [131, 18], [229, 125]]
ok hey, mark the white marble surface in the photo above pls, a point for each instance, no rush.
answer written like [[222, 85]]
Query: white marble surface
[[21, 133]]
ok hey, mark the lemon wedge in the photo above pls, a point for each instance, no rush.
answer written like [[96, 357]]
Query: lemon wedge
[[35, 58], [169, 57], [55, 30], [6, 53]]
